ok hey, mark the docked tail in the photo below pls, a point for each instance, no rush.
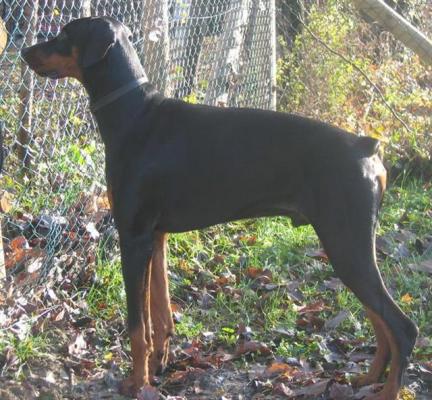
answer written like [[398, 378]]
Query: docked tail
[[367, 146]]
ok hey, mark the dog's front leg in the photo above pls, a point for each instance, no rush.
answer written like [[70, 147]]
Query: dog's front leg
[[136, 253], [161, 315]]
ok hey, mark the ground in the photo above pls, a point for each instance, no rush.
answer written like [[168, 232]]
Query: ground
[[259, 314]]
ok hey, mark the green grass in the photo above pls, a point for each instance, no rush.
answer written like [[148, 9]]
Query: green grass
[[198, 259], [274, 244]]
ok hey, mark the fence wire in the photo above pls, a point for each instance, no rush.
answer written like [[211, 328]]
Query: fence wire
[[323, 59]]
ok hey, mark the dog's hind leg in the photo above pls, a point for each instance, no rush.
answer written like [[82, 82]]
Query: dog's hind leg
[[161, 315], [346, 227], [382, 355]]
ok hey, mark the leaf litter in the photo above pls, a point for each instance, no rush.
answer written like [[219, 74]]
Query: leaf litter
[[75, 362]]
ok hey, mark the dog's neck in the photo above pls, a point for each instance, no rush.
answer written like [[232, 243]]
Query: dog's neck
[[119, 67], [100, 81]]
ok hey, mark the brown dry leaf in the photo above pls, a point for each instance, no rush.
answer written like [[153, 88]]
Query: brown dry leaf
[[59, 316], [18, 247], [226, 278], [253, 272], [318, 254], [315, 307], [277, 369], [180, 377], [102, 201], [249, 240], [20, 242], [20, 255], [264, 276], [313, 390], [6, 199], [176, 308], [252, 346], [24, 278], [310, 321]]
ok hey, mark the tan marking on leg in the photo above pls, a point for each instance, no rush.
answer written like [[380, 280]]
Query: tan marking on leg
[[382, 355], [140, 351], [381, 177], [391, 387], [141, 345], [147, 319], [110, 198], [163, 325]]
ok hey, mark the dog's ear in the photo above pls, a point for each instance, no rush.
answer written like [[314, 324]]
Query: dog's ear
[[101, 38]]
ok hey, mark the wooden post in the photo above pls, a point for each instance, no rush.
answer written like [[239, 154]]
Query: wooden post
[[26, 89], [273, 60], [86, 8], [401, 29], [2, 259], [156, 43], [3, 42], [186, 46], [228, 54]]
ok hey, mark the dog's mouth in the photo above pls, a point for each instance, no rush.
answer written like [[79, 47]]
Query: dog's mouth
[[52, 74], [44, 71]]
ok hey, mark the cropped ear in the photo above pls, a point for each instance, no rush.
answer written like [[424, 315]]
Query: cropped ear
[[100, 39]]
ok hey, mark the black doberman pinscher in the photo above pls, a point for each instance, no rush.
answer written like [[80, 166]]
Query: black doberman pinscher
[[173, 166]]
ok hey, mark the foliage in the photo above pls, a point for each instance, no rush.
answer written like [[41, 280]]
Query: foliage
[[317, 82]]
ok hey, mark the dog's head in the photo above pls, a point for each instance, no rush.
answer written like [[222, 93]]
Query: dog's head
[[81, 44]]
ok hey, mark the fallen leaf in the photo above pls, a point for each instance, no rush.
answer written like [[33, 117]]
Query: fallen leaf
[[310, 321], [280, 389], [251, 347], [407, 298], [334, 322], [423, 266], [6, 199], [78, 345], [180, 377], [263, 276], [315, 307], [277, 369], [313, 390], [20, 242], [102, 201], [318, 254], [92, 231]]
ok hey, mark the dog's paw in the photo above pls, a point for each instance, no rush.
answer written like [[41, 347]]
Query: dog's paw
[[158, 362]]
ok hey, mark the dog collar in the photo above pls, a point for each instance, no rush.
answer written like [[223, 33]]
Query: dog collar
[[121, 91]]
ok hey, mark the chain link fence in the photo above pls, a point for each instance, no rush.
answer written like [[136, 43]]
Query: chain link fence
[[324, 59]]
